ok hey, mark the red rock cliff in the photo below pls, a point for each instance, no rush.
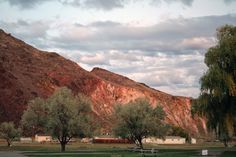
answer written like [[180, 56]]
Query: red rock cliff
[[26, 72]]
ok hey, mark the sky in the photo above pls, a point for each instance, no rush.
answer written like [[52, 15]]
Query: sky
[[157, 42]]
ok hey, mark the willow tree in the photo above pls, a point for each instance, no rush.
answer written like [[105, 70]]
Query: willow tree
[[138, 119], [217, 100]]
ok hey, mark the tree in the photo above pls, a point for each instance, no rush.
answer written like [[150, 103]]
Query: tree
[[8, 132], [68, 116], [178, 131], [137, 120], [35, 117], [217, 100]]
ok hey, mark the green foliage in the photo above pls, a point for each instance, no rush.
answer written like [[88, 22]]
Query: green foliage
[[217, 101], [9, 132], [137, 120], [177, 131], [63, 115], [68, 115], [35, 117]]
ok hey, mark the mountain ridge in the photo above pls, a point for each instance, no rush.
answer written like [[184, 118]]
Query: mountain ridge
[[27, 72]]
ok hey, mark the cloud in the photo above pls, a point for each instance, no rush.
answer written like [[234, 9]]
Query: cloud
[[229, 1], [104, 4], [168, 55], [97, 59], [185, 2], [26, 4], [32, 32], [25, 29], [164, 72], [196, 43], [175, 36]]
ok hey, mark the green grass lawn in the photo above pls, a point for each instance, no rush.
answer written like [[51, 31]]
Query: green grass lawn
[[116, 150]]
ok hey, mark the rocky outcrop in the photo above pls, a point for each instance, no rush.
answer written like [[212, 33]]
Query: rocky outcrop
[[26, 73]]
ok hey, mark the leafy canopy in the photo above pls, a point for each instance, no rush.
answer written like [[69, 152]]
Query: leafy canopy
[[35, 117], [137, 120], [8, 132], [63, 115], [217, 101], [69, 114]]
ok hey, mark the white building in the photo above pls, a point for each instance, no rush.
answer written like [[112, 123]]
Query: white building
[[26, 140], [193, 140], [43, 138], [166, 140]]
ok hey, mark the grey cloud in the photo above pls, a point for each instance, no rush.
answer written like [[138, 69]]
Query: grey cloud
[[32, 32], [74, 3], [24, 29], [26, 4], [176, 36], [185, 2], [104, 4], [229, 1], [94, 4], [105, 24]]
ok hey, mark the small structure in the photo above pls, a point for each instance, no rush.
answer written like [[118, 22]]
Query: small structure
[[193, 141], [166, 140], [26, 140], [43, 138], [86, 140]]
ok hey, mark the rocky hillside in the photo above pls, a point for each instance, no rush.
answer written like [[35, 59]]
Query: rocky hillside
[[26, 72]]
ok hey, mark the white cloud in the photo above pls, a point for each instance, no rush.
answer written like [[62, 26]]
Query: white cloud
[[197, 43], [97, 59]]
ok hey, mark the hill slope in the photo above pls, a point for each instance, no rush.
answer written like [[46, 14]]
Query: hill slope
[[26, 72]]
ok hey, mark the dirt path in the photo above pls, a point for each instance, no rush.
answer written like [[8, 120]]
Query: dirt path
[[11, 154]]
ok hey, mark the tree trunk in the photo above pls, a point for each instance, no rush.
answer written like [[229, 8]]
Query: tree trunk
[[140, 143], [8, 143], [63, 146], [225, 142]]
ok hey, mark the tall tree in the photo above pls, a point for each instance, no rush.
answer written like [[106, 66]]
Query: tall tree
[[35, 117], [217, 100], [8, 132], [137, 120], [68, 115]]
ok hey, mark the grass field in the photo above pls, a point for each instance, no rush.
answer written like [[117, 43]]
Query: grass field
[[117, 150]]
